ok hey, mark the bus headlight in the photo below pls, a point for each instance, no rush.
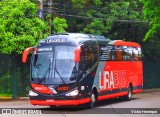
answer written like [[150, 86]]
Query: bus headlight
[[72, 93], [31, 93]]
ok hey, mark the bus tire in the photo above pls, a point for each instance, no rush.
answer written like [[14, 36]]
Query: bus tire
[[92, 100], [129, 94], [52, 106]]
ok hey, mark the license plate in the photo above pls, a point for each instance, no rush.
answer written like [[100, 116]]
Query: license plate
[[50, 100]]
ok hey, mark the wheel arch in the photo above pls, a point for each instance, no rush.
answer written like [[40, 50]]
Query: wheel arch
[[94, 90], [130, 85]]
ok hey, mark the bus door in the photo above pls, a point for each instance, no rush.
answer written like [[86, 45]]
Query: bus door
[[88, 65]]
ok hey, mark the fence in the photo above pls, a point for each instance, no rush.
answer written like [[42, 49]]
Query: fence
[[15, 82], [151, 75]]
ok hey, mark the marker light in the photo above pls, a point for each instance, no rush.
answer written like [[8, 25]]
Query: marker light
[[25, 54], [77, 54]]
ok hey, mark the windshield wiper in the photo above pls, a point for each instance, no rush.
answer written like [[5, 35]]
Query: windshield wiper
[[55, 69], [44, 76], [59, 75]]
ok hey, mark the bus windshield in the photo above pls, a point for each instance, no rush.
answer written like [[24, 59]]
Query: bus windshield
[[56, 66]]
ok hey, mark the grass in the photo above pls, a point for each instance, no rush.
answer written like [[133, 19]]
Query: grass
[[5, 96]]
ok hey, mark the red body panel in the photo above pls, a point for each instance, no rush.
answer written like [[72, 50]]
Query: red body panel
[[59, 102], [119, 75], [41, 88], [122, 43]]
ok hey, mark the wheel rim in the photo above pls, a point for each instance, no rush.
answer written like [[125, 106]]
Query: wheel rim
[[129, 93], [93, 98]]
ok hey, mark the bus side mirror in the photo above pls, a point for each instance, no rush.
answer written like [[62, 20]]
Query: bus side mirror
[[25, 54], [77, 54]]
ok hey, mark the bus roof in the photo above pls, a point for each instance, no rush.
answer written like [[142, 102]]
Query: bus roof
[[78, 35], [76, 38], [80, 38], [122, 43]]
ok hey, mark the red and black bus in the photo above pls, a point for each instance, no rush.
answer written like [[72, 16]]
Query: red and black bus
[[74, 68]]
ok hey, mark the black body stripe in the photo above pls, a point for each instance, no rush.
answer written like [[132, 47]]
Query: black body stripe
[[119, 90]]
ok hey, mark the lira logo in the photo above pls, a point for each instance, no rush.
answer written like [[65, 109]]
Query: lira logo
[[112, 79]]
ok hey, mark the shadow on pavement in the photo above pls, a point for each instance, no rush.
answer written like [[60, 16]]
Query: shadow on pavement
[[83, 109]]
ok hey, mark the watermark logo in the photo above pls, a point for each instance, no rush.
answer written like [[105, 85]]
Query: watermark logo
[[32, 111], [6, 111], [20, 111]]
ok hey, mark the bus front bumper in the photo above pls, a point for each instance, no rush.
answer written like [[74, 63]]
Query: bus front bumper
[[50, 102]]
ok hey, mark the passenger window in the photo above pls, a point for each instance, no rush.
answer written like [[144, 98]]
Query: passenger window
[[131, 53], [89, 56], [116, 54], [119, 53], [105, 52]]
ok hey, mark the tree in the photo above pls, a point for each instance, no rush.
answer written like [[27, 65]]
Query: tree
[[95, 27], [151, 13], [59, 25], [100, 16], [19, 28]]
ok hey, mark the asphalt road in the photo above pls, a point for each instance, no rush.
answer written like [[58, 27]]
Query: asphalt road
[[141, 105]]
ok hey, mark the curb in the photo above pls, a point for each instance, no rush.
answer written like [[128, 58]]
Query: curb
[[23, 98], [151, 90], [10, 98], [5, 98]]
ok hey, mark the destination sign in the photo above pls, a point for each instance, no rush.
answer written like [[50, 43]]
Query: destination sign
[[45, 49], [55, 41]]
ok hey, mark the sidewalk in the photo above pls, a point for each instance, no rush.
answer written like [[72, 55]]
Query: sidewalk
[[2, 98]]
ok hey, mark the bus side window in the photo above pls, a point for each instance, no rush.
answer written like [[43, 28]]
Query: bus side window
[[139, 54], [112, 55], [89, 56], [83, 60], [116, 54], [119, 54], [101, 46], [92, 54], [126, 53], [134, 56]]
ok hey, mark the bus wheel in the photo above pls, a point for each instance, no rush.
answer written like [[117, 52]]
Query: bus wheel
[[129, 95], [92, 101]]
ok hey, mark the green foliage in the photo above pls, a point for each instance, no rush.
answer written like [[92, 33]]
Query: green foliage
[[95, 27], [59, 25], [97, 2], [98, 16], [78, 3], [151, 13], [19, 26]]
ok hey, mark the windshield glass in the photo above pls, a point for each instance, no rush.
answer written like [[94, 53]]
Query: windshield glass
[[41, 64], [57, 65]]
